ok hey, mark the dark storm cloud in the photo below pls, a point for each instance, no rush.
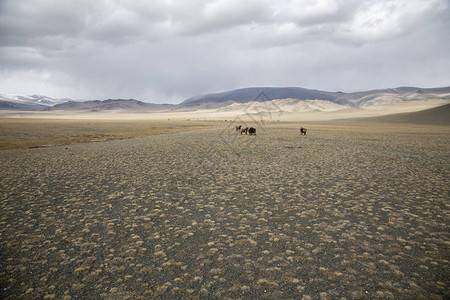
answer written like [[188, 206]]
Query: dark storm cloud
[[165, 51]]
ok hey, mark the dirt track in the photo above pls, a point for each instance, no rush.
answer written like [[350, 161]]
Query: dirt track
[[352, 212]]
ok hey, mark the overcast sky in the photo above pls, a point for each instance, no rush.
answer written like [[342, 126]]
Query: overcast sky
[[164, 51]]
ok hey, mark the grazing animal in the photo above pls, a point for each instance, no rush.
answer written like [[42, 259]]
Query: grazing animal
[[238, 127], [252, 131], [302, 131], [244, 130]]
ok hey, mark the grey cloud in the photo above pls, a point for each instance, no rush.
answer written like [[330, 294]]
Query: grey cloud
[[165, 51], [12, 57], [379, 20], [21, 21], [222, 15], [311, 12]]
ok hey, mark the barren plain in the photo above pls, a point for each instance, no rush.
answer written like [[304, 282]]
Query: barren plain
[[353, 210]]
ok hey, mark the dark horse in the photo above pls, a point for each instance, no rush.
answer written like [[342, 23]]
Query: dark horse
[[302, 131], [238, 127], [244, 130], [252, 131]]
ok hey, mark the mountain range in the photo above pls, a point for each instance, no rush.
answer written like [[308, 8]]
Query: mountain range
[[28, 103], [130, 105], [253, 99], [356, 99]]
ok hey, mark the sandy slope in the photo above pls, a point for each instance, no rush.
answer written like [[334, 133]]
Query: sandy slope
[[365, 112], [284, 105], [436, 115]]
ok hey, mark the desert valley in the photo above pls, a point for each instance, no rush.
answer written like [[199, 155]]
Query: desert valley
[[122, 199]]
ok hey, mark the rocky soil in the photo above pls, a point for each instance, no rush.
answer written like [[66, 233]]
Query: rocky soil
[[350, 211]]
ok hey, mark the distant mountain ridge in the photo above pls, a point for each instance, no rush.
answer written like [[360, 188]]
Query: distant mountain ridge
[[12, 105], [27, 103], [108, 105], [293, 99], [35, 99], [356, 99], [262, 94]]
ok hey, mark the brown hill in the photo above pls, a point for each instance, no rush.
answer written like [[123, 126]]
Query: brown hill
[[438, 115]]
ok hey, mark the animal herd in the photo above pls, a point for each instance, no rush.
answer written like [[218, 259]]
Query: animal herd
[[252, 130], [246, 130]]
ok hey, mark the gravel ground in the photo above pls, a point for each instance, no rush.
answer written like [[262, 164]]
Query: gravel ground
[[348, 212]]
